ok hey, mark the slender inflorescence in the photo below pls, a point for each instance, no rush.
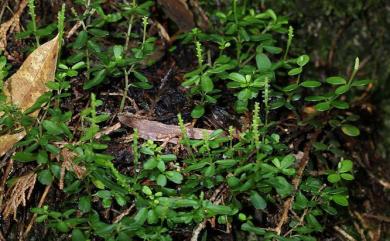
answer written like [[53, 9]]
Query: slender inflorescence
[[289, 41], [31, 11]]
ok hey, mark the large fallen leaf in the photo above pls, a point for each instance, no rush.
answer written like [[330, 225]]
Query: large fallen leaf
[[156, 131], [179, 12], [186, 14], [28, 83]]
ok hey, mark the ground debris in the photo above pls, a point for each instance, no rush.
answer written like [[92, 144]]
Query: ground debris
[[156, 131], [29, 83], [18, 194], [179, 12]]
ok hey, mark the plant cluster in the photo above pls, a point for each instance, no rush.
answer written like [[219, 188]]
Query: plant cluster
[[231, 176]]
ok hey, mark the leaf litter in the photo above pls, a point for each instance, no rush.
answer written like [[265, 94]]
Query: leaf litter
[[25, 86]]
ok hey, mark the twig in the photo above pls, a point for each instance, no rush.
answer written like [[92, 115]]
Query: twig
[[202, 225], [2, 237], [108, 130], [296, 181], [377, 217], [73, 30], [124, 213], [78, 24], [385, 184], [43, 198], [343, 233], [359, 226], [11, 24], [305, 212], [360, 231], [197, 230], [3, 9], [163, 84]]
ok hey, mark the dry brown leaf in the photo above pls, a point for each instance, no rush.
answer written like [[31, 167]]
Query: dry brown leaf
[[179, 12], [201, 19], [10, 25], [162, 31], [187, 14], [28, 83], [156, 131], [8, 140]]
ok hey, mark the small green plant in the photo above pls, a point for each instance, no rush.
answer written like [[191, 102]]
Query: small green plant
[[250, 34], [118, 63], [230, 176], [343, 172], [33, 30], [139, 55], [201, 83], [156, 164]]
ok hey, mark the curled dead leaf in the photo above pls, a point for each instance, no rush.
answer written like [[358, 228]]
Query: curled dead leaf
[[25, 86], [179, 12], [29, 82], [8, 140], [156, 131], [186, 14]]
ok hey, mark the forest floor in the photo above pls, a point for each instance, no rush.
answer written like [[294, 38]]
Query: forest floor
[[367, 214]]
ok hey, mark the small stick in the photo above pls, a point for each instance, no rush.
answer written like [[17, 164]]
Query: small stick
[[2, 237], [202, 225], [377, 217], [296, 181], [78, 24], [343, 233], [2, 12], [124, 213], [360, 231], [41, 201]]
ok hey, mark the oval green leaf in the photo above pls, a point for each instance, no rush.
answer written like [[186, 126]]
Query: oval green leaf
[[323, 106], [336, 80], [263, 62], [350, 130], [342, 89], [257, 201], [198, 111], [311, 84]]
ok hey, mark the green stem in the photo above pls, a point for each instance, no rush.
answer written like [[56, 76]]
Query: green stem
[[126, 89], [88, 64], [355, 70], [126, 72], [129, 32]]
